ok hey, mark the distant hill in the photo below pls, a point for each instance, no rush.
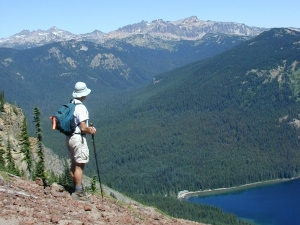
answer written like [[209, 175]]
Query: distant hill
[[45, 76], [225, 121]]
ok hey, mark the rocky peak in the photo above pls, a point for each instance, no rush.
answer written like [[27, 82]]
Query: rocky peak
[[28, 39], [191, 19], [54, 28], [95, 35], [190, 28], [23, 32]]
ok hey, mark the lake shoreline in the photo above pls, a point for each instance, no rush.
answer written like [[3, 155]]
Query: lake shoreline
[[186, 194]]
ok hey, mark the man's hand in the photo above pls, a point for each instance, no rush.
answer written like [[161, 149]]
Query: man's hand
[[87, 130], [92, 130]]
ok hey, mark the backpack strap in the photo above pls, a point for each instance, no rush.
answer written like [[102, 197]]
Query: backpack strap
[[71, 101]]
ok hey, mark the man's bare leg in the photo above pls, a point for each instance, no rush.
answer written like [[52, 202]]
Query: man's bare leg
[[76, 174]]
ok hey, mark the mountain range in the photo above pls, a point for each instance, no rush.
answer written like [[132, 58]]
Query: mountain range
[[186, 29], [106, 68]]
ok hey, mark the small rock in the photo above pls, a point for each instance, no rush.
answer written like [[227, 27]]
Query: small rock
[[39, 181], [87, 208], [100, 207], [55, 218], [57, 191], [47, 191], [156, 218]]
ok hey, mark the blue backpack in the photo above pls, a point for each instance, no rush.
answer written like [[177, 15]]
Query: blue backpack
[[63, 120]]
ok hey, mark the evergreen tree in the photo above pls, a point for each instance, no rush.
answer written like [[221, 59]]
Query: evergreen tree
[[2, 161], [51, 178], [2, 101], [40, 165], [2, 154], [25, 147], [11, 167], [65, 179], [93, 187]]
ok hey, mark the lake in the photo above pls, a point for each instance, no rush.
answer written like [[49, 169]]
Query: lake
[[270, 204]]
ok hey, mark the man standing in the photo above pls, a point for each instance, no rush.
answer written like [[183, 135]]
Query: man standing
[[76, 143]]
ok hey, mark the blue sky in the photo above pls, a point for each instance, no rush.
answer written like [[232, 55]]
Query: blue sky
[[85, 16]]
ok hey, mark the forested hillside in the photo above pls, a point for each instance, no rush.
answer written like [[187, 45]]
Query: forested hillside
[[222, 122]]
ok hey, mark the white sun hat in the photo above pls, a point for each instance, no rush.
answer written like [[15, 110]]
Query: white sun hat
[[80, 90]]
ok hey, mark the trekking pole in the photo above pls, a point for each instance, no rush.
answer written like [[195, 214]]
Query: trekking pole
[[97, 163]]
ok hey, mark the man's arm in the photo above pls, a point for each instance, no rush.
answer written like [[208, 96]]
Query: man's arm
[[85, 129]]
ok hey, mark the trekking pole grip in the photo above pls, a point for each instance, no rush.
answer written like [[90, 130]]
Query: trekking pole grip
[[91, 125]]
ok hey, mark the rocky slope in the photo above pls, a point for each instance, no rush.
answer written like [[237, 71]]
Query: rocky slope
[[25, 202]]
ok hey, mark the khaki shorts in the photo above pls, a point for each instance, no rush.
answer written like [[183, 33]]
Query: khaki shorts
[[78, 151]]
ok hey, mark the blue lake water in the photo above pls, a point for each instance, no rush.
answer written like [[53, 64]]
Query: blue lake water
[[274, 204]]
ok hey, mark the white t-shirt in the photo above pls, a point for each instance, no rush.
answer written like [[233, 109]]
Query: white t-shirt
[[81, 114]]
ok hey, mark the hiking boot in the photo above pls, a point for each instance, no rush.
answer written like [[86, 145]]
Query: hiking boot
[[80, 196]]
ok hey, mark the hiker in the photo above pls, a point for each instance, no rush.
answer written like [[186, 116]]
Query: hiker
[[76, 142]]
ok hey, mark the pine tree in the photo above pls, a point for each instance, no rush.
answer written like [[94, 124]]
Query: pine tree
[[2, 161], [51, 177], [93, 187], [65, 179], [2, 154], [11, 167], [40, 165], [2, 101], [25, 147]]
